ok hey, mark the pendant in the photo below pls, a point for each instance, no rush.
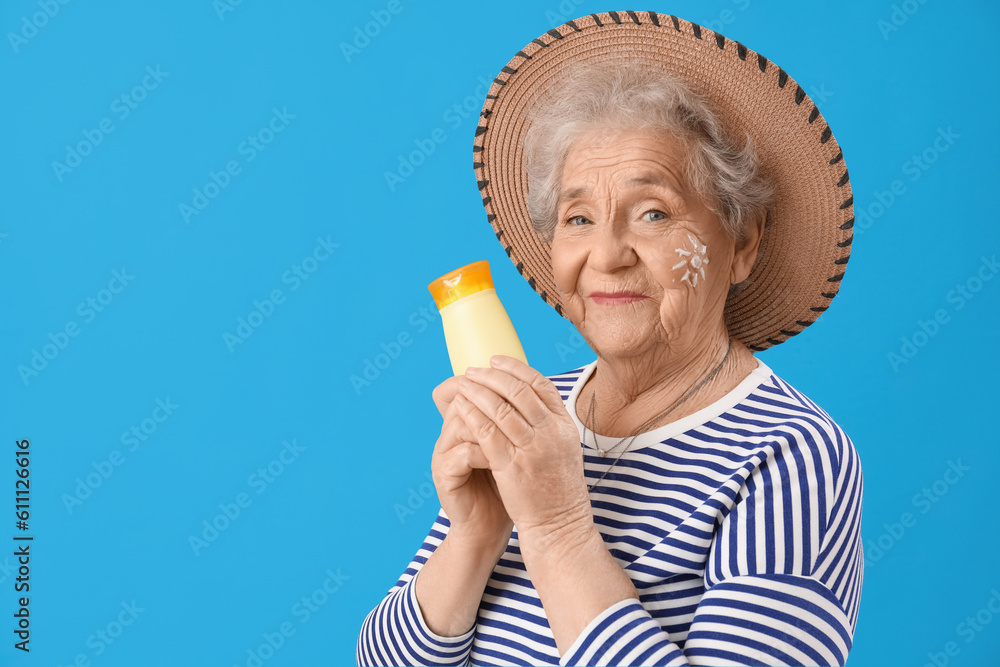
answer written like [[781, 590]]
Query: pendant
[[601, 452]]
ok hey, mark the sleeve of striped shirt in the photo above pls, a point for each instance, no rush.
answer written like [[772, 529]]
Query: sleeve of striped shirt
[[395, 633], [784, 572]]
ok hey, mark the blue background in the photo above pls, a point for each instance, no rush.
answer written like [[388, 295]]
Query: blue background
[[356, 499]]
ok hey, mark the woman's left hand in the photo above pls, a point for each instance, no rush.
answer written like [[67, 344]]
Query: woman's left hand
[[533, 447]]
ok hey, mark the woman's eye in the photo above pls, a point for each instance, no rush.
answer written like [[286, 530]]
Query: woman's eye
[[578, 220], [654, 216]]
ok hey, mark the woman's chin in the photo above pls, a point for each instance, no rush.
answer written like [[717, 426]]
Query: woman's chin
[[622, 338]]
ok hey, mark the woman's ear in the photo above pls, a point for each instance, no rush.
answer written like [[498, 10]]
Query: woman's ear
[[746, 249]]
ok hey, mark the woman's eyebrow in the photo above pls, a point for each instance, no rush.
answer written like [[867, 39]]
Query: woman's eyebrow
[[574, 193]]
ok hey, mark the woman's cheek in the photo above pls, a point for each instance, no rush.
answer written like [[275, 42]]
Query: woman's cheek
[[688, 259], [566, 273]]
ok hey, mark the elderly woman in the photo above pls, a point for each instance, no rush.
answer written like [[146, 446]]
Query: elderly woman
[[674, 502]]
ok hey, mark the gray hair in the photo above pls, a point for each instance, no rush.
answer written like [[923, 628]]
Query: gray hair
[[727, 178]]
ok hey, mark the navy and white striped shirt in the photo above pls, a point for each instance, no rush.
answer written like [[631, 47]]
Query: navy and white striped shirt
[[740, 526]]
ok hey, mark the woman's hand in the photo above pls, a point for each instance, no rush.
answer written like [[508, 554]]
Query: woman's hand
[[465, 486], [531, 445], [444, 393]]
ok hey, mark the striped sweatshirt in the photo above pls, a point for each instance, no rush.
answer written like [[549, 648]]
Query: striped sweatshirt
[[740, 526]]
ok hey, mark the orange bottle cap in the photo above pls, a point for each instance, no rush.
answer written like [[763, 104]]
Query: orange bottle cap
[[461, 282]]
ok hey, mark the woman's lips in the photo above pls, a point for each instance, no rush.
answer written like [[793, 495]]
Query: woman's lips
[[616, 298]]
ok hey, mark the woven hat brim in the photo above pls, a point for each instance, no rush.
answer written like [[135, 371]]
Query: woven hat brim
[[806, 246]]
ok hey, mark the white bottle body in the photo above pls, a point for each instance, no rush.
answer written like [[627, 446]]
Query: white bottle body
[[475, 328]]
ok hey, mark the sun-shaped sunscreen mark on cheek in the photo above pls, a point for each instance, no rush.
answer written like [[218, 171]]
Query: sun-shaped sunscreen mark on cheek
[[693, 261]]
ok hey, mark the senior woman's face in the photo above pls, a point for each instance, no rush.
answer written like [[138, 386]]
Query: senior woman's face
[[638, 258]]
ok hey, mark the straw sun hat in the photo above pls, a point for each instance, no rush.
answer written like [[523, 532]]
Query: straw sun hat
[[806, 244]]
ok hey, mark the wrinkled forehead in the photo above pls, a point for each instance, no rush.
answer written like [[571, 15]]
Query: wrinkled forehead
[[626, 159]]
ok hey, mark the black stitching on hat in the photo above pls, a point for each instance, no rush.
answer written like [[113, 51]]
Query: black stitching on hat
[[799, 94], [487, 200], [477, 149], [539, 42], [482, 184], [835, 279], [632, 16], [485, 113], [544, 296], [481, 129], [819, 309], [508, 70], [523, 54], [847, 202], [559, 308], [842, 260], [614, 17], [804, 324], [741, 51], [499, 82], [477, 165], [813, 114], [720, 40], [654, 18], [520, 268], [788, 333], [677, 26], [782, 78], [762, 63], [555, 33], [757, 348], [697, 30], [573, 26], [508, 248], [499, 234], [531, 281], [773, 342], [491, 97], [844, 244], [490, 217], [827, 133], [843, 180], [837, 158], [597, 20], [848, 224], [830, 295]]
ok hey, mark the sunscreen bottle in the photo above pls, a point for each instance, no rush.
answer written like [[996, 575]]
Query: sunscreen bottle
[[476, 326]]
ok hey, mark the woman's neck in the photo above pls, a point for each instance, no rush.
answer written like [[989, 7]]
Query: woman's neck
[[630, 391]]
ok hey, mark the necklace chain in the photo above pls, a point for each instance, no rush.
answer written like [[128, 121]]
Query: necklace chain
[[592, 418]]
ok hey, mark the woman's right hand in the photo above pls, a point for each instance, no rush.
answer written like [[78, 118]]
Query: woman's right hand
[[464, 483]]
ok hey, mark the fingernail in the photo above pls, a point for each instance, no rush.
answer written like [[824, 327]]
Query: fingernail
[[473, 370], [496, 361]]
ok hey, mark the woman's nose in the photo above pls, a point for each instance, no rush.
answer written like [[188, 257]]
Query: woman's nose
[[612, 249]]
